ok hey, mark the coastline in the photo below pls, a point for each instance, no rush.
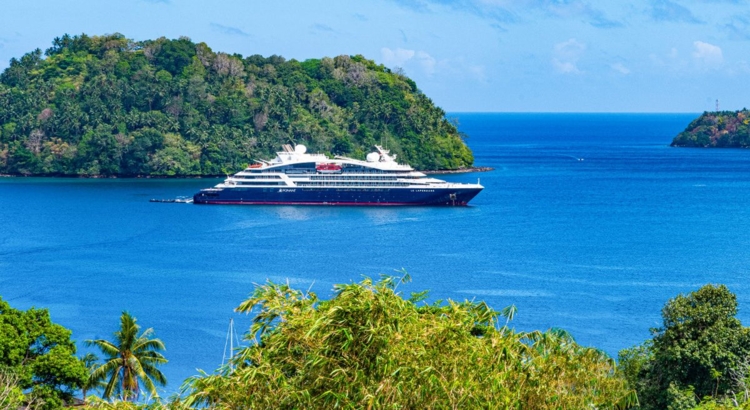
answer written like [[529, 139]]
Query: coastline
[[62, 176], [459, 171], [709, 146], [433, 172]]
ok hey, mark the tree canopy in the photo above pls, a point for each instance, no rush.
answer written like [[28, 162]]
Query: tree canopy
[[108, 105], [701, 351], [37, 357]]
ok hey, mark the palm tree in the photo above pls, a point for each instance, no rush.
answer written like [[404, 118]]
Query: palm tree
[[130, 358], [90, 361]]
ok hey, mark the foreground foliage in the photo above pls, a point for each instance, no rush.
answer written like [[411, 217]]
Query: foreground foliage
[[717, 129], [107, 105], [38, 366], [369, 348], [700, 354]]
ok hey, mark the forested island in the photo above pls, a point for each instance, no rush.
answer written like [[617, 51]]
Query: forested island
[[111, 106], [722, 129]]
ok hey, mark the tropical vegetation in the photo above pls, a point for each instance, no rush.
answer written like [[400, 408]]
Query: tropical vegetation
[[700, 355], [724, 129], [90, 360], [111, 106], [131, 361], [369, 346], [38, 365]]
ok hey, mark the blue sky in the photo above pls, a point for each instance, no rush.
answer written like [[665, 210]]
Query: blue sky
[[467, 55]]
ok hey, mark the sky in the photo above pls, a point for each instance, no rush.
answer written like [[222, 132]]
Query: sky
[[466, 55]]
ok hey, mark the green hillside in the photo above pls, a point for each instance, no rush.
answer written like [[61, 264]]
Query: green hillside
[[724, 129], [111, 106]]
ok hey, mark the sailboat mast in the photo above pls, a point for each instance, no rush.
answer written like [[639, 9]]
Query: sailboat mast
[[229, 341]]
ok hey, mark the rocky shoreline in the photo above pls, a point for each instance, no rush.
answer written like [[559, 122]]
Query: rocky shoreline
[[459, 171]]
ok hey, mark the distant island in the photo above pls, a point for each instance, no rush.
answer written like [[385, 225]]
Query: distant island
[[723, 129], [111, 106]]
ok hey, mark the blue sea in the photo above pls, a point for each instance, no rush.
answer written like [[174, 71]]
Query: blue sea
[[589, 222]]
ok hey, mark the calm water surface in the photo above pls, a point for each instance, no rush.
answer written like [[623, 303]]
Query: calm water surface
[[590, 222]]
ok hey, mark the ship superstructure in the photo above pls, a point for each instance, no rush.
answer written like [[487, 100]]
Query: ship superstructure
[[296, 177]]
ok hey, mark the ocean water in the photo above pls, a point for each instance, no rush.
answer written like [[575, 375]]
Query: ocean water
[[589, 222]]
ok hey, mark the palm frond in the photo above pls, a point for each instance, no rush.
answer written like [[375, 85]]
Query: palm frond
[[109, 349]]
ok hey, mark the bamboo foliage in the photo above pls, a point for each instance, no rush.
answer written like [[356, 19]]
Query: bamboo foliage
[[367, 347]]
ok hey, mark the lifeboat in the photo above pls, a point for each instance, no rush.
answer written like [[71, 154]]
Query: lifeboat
[[328, 168]]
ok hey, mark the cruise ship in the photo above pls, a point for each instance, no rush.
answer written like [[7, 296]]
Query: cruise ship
[[296, 177]]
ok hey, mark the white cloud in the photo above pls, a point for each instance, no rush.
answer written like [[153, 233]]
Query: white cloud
[[401, 57], [565, 67], [708, 55], [570, 49], [422, 63], [620, 68], [566, 55], [397, 57], [427, 62]]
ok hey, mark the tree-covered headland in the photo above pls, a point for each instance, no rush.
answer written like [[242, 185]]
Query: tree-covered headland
[[724, 129], [111, 106]]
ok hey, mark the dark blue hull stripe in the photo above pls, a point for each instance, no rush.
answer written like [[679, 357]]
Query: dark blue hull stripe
[[333, 196]]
